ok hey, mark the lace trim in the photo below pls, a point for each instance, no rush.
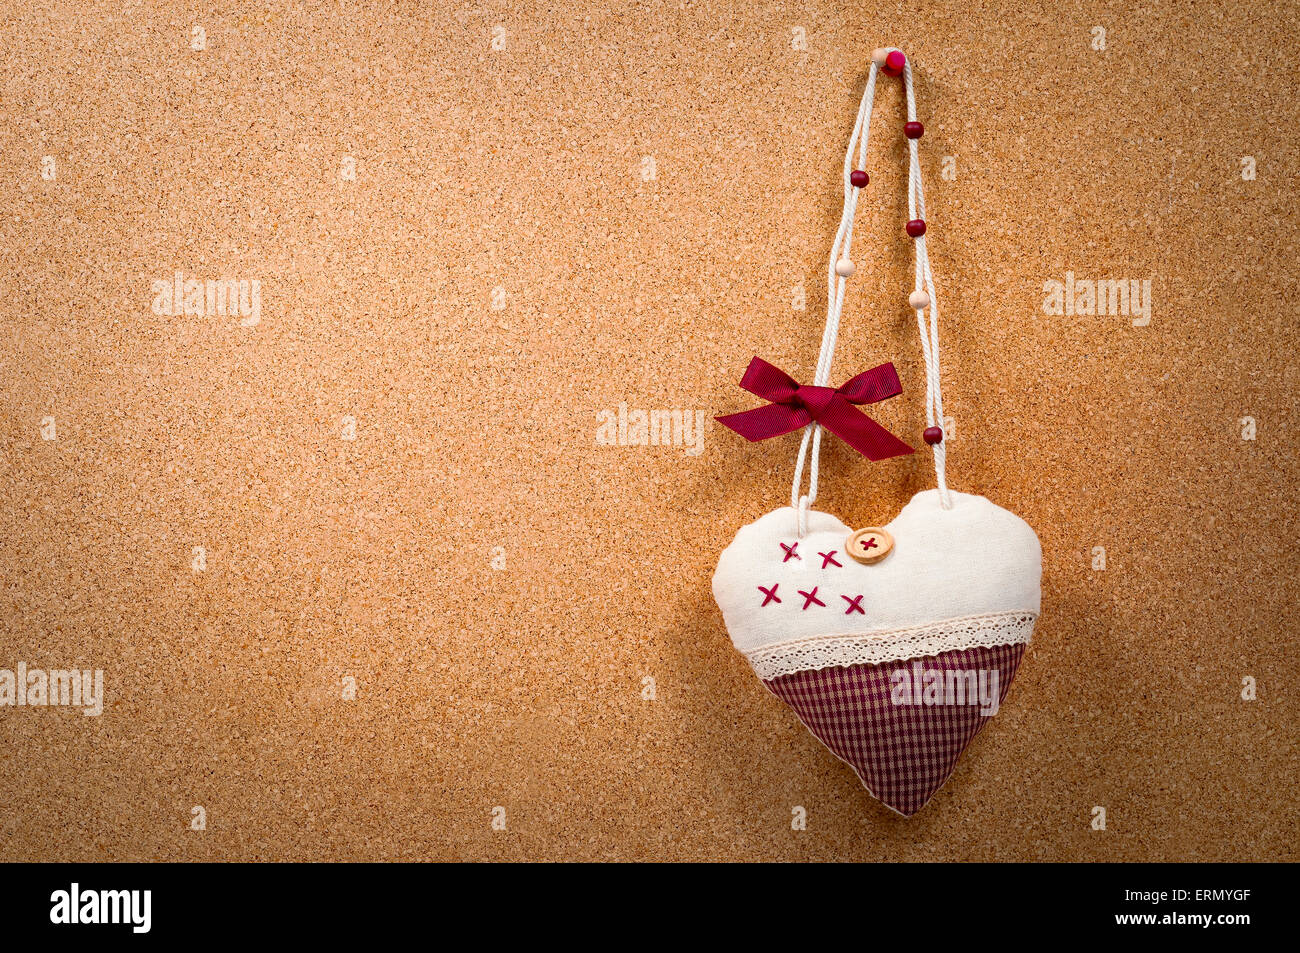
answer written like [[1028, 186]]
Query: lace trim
[[872, 648]]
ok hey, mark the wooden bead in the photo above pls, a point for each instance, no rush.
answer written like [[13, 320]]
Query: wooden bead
[[858, 178], [916, 228], [932, 435], [845, 268], [918, 300], [894, 63], [869, 545], [913, 130], [879, 55]]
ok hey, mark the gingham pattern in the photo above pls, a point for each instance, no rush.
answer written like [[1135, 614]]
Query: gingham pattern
[[902, 753]]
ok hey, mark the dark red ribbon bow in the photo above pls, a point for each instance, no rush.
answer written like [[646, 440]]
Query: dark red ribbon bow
[[794, 405]]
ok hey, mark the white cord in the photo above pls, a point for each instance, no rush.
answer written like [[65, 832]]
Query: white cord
[[837, 285], [925, 282]]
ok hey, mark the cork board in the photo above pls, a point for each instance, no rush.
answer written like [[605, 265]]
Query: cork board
[[361, 579]]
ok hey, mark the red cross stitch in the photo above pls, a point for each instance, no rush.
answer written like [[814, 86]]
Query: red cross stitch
[[829, 558], [855, 605], [870, 543], [790, 551], [810, 597], [770, 594]]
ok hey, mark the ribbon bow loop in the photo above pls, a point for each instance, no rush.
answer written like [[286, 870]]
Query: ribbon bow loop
[[793, 405]]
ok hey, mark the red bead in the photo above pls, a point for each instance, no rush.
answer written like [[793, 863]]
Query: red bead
[[894, 63], [932, 435], [913, 130], [916, 228], [859, 178]]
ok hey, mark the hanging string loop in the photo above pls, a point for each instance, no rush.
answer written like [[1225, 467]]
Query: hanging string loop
[[888, 62]]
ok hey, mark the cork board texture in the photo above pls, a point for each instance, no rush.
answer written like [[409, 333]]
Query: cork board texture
[[363, 582]]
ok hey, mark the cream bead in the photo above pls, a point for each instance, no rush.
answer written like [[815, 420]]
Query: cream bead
[[844, 268], [878, 55], [918, 300]]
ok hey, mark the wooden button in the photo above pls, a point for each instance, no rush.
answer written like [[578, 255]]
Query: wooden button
[[870, 545]]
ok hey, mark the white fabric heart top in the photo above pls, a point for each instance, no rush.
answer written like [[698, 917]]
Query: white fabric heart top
[[956, 578]]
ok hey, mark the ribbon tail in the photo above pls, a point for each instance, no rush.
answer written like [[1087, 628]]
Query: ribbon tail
[[861, 432], [770, 420]]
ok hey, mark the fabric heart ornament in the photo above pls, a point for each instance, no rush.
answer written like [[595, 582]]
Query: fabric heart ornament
[[894, 645], [894, 665]]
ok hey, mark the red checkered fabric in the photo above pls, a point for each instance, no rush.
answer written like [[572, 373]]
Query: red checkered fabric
[[903, 753]]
